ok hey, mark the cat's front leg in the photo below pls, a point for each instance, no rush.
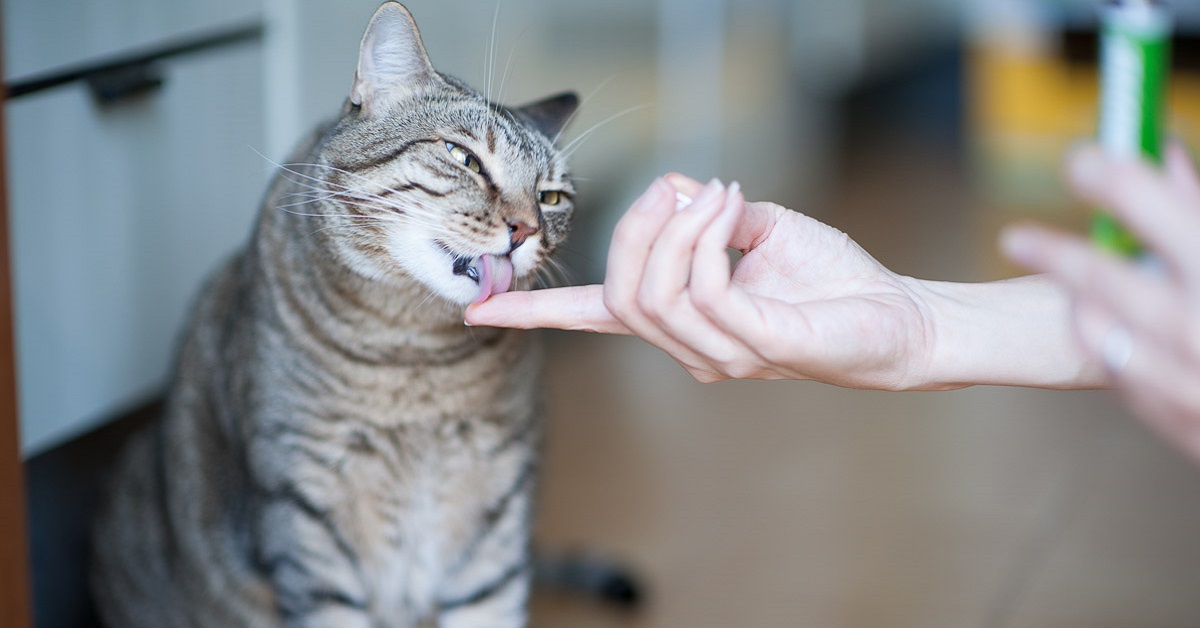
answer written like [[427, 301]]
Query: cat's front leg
[[311, 562], [490, 586]]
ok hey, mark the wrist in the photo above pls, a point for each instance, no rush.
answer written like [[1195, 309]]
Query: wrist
[[1016, 332]]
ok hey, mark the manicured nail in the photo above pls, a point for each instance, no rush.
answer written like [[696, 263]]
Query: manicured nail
[[682, 201], [709, 192]]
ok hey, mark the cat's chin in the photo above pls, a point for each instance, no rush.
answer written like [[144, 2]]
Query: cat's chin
[[454, 278], [492, 274], [463, 282]]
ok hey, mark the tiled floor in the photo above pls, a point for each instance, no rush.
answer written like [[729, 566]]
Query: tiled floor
[[796, 504]]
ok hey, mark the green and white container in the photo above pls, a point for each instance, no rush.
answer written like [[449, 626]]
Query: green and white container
[[1135, 44]]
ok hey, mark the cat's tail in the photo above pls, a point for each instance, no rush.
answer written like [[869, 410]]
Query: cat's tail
[[589, 575]]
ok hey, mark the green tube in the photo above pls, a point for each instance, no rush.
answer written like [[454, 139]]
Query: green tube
[[1135, 45]]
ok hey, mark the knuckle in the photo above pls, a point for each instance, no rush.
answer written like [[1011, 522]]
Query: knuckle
[[653, 306], [705, 298], [735, 364], [618, 302], [705, 376], [746, 369], [736, 371]]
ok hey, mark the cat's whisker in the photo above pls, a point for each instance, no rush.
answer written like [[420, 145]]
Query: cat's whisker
[[327, 196], [310, 195], [491, 52], [553, 273], [349, 216], [290, 168], [306, 177], [312, 198], [394, 214], [429, 297], [303, 181], [582, 104], [508, 64], [347, 173], [570, 148], [333, 227], [416, 213], [357, 198], [391, 216]]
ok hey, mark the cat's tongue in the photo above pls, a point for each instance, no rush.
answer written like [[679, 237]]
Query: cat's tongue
[[495, 275]]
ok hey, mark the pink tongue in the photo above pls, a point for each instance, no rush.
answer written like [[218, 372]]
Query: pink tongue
[[495, 275]]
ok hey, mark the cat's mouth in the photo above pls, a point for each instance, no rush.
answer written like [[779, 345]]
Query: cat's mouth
[[493, 273]]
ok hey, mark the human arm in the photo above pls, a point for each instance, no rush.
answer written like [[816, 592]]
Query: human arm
[[803, 302], [1143, 322]]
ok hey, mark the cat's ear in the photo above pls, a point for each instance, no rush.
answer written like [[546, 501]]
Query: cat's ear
[[391, 59], [551, 115]]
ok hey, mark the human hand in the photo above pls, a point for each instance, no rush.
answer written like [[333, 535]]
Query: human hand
[[1142, 324], [803, 302]]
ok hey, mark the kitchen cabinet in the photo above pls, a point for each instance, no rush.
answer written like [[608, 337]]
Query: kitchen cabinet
[[118, 210]]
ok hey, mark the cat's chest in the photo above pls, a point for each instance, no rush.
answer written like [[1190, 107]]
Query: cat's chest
[[490, 382], [425, 496]]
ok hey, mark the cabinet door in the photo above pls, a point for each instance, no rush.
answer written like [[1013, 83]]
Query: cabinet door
[[117, 214]]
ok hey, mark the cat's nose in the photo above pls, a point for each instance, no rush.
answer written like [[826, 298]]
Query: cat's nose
[[518, 232]]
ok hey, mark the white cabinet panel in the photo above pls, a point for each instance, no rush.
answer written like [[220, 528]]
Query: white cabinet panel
[[117, 215], [42, 34]]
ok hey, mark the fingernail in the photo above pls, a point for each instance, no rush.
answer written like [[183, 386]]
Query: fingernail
[[733, 196], [709, 192], [682, 201]]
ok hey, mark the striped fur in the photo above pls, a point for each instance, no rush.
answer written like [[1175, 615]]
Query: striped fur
[[337, 448]]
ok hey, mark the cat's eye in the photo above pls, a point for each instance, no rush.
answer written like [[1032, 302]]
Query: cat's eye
[[551, 197], [464, 157]]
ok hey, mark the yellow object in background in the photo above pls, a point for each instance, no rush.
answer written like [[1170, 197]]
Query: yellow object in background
[[1027, 106]]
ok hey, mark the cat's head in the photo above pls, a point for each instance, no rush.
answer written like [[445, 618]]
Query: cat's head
[[431, 181]]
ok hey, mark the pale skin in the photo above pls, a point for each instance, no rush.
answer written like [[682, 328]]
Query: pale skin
[[806, 302], [1159, 309]]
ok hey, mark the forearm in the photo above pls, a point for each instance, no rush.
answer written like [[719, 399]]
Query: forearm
[[1016, 332]]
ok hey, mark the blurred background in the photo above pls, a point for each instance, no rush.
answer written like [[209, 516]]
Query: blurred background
[[141, 135]]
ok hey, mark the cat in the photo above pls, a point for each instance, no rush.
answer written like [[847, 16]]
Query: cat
[[338, 448]]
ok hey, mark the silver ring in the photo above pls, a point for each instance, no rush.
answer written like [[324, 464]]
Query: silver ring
[[1117, 349]]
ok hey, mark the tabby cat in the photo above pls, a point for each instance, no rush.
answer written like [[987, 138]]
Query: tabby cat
[[338, 449]]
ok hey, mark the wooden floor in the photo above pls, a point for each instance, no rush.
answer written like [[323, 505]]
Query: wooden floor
[[795, 504]]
